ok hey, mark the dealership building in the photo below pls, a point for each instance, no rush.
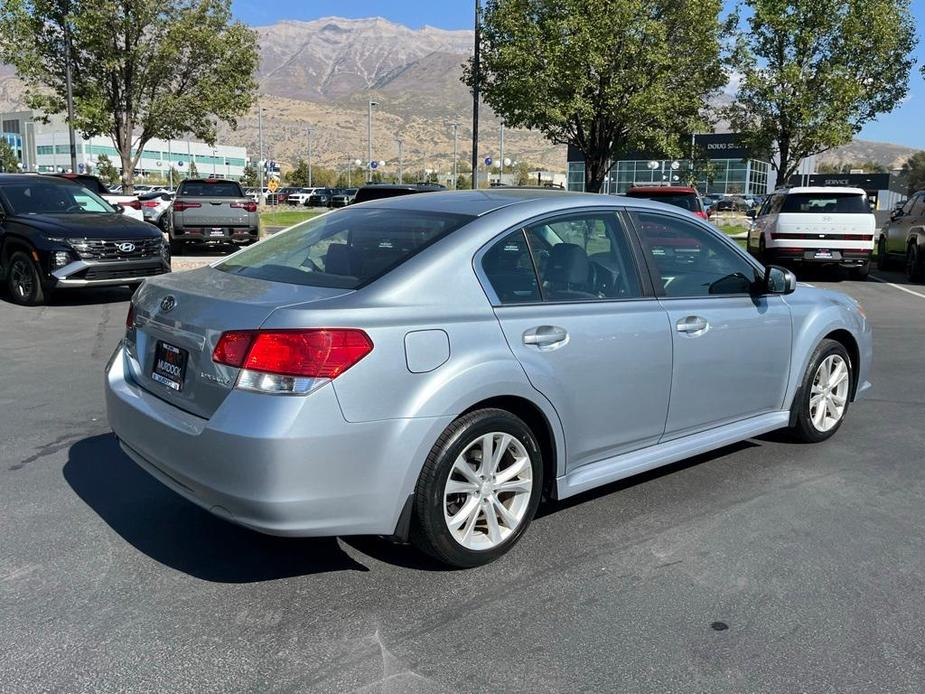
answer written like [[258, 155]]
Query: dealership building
[[884, 190], [45, 148], [718, 164]]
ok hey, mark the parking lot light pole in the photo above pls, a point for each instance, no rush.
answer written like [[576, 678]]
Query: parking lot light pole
[[260, 162], [401, 163], [476, 76], [369, 140], [308, 134], [455, 155], [69, 91], [501, 154]]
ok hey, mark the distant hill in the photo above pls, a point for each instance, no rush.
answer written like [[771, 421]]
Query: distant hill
[[321, 73]]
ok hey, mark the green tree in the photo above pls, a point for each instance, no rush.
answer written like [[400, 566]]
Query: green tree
[[299, 175], [250, 178], [605, 76], [142, 69], [8, 159], [105, 169], [813, 72], [914, 171], [193, 170]]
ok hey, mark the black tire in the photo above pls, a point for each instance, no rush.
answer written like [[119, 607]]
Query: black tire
[[429, 531], [23, 281], [913, 263], [860, 273], [883, 260], [762, 251], [803, 428]]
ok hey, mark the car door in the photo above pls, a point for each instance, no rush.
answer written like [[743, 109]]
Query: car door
[[731, 345], [898, 229], [585, 326]]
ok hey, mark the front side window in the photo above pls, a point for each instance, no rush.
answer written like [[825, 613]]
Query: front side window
[[690, 261], [345, 249]]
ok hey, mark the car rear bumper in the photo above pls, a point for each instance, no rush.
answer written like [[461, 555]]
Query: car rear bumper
[[837, 256], [282, 465], [189, 233], [84, 273]]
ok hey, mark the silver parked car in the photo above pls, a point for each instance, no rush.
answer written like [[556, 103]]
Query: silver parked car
[[212, 210], [428, 366]]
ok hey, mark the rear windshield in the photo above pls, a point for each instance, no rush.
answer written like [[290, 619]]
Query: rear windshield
[[205, 189], [840, 203], [686, 201], [374, 193], [345, 249]]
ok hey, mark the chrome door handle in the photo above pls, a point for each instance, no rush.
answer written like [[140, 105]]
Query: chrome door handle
[[692, 325], [545, 336]]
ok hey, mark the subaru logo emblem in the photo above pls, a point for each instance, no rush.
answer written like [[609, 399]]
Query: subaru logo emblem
[[168, 303], [126, 247]]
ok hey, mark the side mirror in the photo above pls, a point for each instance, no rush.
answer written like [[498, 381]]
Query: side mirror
[[165, 196], [779, 280], [896, 214], [751, 214]]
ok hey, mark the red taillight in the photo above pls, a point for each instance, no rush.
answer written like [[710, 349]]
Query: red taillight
[[249, 206], [179, 206], [312, 353], [702, 215], [130, 318], [134, 204], [149, 203]]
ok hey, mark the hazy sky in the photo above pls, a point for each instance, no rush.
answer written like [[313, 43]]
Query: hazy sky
[[904, 126]]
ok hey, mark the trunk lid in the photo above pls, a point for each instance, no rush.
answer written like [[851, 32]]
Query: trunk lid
[[829, 230], [212, 212], [205, 303]]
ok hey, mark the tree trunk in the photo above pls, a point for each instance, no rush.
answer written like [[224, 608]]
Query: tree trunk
[[783, 165], [128, 168], [595, 170]]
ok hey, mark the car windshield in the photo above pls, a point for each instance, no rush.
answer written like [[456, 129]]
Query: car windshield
[[346, 249], [209, 189], [686, 201], [840, 203], [38, 196]]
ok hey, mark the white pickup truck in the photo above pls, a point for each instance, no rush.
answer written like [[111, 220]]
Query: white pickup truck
[[815, 225]]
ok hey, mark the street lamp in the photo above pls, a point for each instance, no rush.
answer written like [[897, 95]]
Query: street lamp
[[455, 154], [308, 134], [369, 140], [476, 79], [260, 159], [401, 165], [501, 152]]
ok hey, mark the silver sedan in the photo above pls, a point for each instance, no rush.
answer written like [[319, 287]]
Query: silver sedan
[[429, 367]]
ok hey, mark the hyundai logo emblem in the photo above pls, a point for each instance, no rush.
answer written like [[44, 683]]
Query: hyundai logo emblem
[[126, 247], [168, 303]]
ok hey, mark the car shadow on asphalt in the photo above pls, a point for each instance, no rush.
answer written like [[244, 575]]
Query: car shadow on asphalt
[[179, 534], [79, 297]]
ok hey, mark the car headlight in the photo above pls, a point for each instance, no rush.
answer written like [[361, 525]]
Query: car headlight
[[59, 259]]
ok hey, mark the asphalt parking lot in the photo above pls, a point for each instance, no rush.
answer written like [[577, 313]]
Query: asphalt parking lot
[[763, 567]]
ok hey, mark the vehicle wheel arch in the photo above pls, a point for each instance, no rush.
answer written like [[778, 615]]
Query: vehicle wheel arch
[[11, 244], [538, 422], [848, 341]]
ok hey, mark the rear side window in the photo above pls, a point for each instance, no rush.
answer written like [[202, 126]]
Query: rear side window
[[826, 203], [205, 189], [510, 270], [346, 249]]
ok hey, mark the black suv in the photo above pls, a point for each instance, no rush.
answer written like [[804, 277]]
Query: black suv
[[56, 234], [378, 191]]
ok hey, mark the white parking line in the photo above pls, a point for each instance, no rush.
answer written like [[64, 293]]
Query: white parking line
[[897, 286]]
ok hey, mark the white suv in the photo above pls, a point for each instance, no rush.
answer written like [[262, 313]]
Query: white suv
[[815, 225]]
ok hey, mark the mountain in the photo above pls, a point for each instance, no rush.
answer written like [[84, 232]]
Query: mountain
[[320, 74]]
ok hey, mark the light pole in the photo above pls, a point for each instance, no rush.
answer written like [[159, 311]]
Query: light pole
[[260, 162], [369, 140], [401, 164], [476, 77], [501, 153], [69, 89], [308, 134], [455, 155]]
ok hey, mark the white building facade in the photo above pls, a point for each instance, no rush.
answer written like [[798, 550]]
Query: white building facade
[[52, 153]]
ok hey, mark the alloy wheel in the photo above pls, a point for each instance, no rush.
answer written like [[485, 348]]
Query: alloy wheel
[[22, 279], [488, 491], [829, 395]]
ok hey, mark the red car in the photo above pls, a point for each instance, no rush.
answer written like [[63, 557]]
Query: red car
[[685, 197]]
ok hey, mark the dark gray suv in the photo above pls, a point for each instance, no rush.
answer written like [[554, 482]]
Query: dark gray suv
[[211, 210]]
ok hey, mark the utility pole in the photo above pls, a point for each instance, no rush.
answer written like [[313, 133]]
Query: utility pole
[[69, 88], [369, 140], [260, 162], [455, 155], [308, 134], [169, 166], [401, 164], [475, 95], [501, 155]]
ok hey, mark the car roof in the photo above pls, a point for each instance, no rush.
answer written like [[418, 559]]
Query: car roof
[[50, 178], [844, 190], [662, 189], [476, 202]]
